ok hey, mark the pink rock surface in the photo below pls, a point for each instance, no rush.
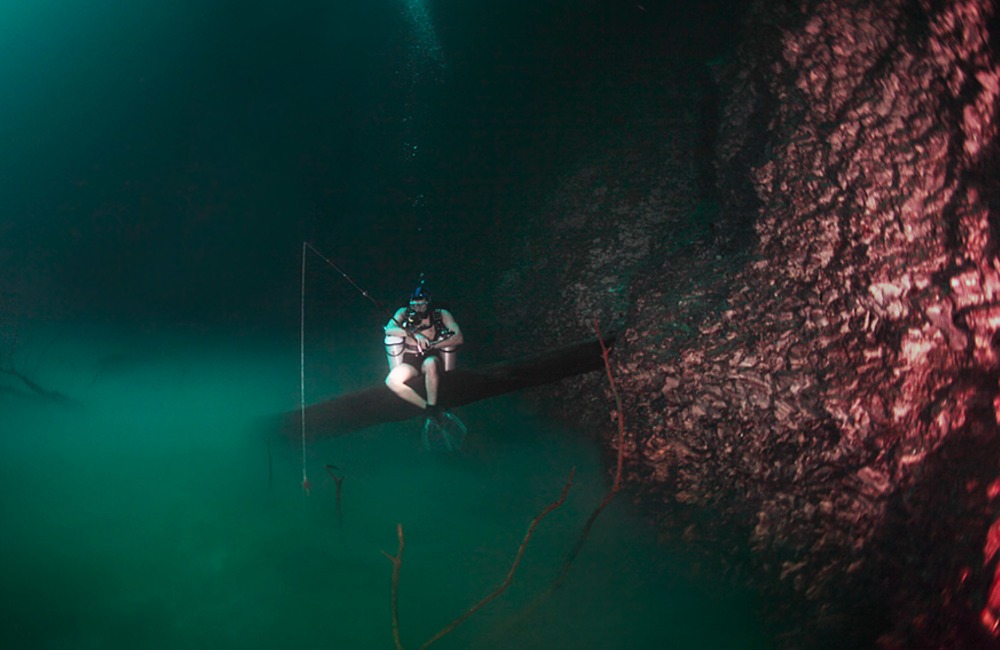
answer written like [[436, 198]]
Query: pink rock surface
[[830, 398], [845, 405]]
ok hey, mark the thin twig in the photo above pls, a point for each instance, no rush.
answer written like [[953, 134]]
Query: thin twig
[[339, 482], [615, 484], [7, 368], [513, 567], [585, 531], [397, 561], [53, 395]]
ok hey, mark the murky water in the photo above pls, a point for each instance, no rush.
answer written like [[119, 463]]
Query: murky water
[[156, 511]]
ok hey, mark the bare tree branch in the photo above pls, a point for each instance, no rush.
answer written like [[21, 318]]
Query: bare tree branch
[[397, 561]]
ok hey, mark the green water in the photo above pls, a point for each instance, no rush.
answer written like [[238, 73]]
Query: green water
[[157, 512]]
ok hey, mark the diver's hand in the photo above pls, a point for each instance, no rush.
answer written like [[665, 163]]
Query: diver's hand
[[422, 343], [443, 338]]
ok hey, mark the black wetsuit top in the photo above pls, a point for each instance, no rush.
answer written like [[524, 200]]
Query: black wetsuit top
[[411, 355]]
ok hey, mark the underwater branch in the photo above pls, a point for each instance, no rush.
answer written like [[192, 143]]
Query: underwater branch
[[7, 368], [616, 484], [397, 561]]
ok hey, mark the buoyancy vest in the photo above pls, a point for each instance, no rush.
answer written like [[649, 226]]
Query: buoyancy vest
[[436, 321]]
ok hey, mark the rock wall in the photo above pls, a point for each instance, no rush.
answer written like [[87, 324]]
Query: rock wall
[[841, 410], [631, 206], [818, 403]]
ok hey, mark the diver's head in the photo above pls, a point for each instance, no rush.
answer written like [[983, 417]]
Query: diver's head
[[420, 298]]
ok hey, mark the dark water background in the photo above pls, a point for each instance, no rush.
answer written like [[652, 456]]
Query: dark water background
[[164, 162]]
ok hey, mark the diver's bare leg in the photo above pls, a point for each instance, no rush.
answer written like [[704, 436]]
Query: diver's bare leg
[[431, 379], [396, 381]]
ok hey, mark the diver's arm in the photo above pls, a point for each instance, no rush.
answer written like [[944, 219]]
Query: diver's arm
[[449, 322], [394, 326]]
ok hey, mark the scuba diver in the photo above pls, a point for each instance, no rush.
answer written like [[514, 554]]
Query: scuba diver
[[422, 340]]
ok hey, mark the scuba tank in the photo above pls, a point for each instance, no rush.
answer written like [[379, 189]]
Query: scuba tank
[[394, 350]]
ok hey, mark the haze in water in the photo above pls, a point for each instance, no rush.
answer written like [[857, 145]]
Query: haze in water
[[159, 509], [165, 162]]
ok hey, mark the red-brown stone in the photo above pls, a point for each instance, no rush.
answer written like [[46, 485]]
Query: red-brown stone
[[830, 399]]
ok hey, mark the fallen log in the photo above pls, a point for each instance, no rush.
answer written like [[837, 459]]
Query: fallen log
[[378, 405]]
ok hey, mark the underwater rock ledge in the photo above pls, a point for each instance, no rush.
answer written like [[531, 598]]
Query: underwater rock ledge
[[842, 409], [822, 412]]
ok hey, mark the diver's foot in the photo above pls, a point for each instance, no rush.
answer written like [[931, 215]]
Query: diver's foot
[[435, 412], [442, 431]]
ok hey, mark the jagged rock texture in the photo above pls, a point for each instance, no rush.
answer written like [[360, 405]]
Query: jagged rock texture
[[831, 402]]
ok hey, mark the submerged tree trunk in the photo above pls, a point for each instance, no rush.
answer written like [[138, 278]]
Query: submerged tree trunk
[[378, 405]]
